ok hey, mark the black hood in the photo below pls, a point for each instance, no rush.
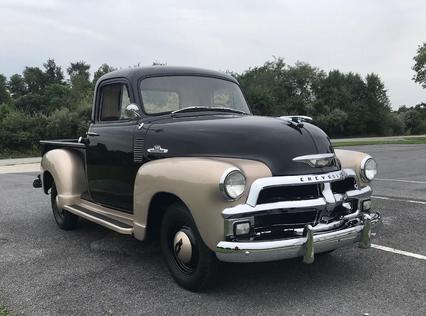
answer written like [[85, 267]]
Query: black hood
[[272, 141]]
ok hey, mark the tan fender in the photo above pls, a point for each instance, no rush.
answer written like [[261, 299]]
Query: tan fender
[[352, 160], [196, 182], [67, 170]]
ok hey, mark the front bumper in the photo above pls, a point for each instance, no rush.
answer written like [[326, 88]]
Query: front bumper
[[313, 241]]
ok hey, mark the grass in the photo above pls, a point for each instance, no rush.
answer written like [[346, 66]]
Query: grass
[[4, 311], [10, 154], [404, 140]]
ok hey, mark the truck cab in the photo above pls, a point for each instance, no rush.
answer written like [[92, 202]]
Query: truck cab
[[175, 153]]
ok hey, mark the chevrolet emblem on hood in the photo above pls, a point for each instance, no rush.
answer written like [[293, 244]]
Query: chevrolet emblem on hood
[[157, 149]]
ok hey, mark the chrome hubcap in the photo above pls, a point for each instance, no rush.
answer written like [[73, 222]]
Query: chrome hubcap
[[182, 247]]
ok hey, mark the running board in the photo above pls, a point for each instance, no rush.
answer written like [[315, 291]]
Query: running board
[[113, 224]]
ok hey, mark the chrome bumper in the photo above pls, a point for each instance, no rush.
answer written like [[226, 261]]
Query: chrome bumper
[[306, 247]]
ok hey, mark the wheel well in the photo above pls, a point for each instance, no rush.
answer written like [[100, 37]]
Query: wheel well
[[157, 208], [47, 181]]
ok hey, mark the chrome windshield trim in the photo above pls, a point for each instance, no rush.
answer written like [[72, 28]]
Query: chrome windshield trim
[[259, 184]]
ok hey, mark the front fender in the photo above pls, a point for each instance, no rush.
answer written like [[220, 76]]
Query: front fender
[[352, 160], [196, 182], [66, 168]]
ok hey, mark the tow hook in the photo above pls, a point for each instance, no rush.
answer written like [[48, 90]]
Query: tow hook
[[37, 182]]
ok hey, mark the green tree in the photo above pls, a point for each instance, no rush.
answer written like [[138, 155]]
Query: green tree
[[378, 104], [102, 70], [79, 70], [420, 65], [4, 93], [17, 86], [81, 88], [53, 72], [34, 79], [32, 103], [57, 96]]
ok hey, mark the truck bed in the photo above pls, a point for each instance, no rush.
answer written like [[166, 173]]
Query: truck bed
[[47, 145]]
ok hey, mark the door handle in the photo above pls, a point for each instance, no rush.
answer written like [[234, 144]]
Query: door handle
[[92, 134]]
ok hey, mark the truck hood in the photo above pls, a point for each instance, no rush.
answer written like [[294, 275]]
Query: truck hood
[[272, 141]]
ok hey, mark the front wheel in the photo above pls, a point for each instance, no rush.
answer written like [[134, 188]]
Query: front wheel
[[64, 219], [192, 264]]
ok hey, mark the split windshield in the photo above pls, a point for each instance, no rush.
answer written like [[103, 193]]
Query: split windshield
[[173, 93]]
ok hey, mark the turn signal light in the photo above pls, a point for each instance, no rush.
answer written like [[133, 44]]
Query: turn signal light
[[242, 228]]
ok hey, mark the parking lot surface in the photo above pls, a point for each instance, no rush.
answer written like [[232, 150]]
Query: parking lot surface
[[91, 270]]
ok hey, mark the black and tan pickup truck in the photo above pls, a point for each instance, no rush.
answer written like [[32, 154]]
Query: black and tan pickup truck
[[175, 153]]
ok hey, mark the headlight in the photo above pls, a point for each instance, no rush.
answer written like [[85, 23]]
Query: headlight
[[368, 169], [232, 183]]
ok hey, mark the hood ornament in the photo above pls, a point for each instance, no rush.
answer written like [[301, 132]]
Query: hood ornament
[[157, 149], [297, 120], [317, 161]]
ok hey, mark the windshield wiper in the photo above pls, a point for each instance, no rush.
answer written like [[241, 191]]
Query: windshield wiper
[[208, 108]]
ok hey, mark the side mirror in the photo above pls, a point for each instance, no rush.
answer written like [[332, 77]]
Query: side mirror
[[132, 111]]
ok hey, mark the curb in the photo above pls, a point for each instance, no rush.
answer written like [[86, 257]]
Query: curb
[[19, 161]]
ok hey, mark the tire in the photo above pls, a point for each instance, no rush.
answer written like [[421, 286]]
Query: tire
[[64, 219], [195, 269]]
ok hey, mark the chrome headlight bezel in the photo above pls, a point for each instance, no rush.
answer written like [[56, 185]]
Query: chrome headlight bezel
[[364, 165], [224, 183]]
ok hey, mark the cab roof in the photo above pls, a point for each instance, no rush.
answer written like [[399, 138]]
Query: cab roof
[[134, 74]]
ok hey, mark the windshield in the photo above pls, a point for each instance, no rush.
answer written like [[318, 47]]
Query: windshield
[[172, 93]]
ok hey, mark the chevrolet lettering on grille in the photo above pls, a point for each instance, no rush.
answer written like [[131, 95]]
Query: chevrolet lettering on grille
[[330, 176]]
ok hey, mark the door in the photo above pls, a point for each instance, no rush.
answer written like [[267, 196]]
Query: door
[[111, 170]]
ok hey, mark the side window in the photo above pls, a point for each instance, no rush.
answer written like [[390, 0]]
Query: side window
[[114, 100]]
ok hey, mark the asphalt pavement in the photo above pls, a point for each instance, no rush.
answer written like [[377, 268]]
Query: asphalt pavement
[[93, 271]]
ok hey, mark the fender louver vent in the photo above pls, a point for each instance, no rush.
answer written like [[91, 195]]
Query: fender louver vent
[[138, 150]]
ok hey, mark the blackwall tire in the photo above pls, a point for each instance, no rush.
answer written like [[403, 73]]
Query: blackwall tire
[[64, 219], [193, 269]]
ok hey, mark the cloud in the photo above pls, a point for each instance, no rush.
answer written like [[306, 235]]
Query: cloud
[[360, 36]]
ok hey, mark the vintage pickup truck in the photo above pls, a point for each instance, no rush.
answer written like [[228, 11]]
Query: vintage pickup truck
[[175, 153]]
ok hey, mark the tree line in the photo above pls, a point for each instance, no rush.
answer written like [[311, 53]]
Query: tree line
[[41, 103]]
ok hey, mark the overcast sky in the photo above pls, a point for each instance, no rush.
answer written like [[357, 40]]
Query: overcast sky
[[359, 36]]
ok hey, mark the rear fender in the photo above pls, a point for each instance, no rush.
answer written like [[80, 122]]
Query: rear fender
[[67, 170]]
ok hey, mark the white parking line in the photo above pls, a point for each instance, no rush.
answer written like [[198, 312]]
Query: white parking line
[[400, 252], [400, 180], [399, 200]]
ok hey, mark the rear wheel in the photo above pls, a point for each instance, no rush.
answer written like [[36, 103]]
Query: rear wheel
[[192, 264], [64, 219]]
